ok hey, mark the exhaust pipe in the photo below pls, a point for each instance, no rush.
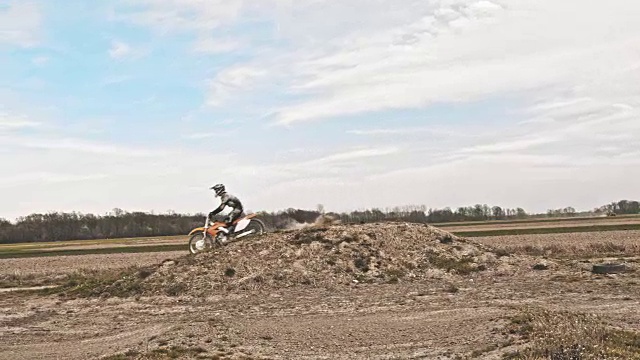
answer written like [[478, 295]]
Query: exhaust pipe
[[244, 234]]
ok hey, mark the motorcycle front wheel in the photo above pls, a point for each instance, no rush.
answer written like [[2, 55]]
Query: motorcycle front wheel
[[256, 227], [199, 242]]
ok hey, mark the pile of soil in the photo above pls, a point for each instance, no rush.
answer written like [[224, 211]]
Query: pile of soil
[[316, 256]]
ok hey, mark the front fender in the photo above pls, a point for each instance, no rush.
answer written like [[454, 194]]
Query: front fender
[[196, 230]]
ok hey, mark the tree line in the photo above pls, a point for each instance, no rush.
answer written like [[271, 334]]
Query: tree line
[[121, 224]]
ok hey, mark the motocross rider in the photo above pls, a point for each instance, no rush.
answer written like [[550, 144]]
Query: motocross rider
[[231, 201]]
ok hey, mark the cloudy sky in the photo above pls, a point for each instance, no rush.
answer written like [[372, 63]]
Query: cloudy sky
[[144, 104]]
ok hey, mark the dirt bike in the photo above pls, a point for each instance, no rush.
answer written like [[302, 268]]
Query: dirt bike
[[214, 234]]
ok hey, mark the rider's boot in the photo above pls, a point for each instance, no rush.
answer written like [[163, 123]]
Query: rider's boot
[[228, 229], [223, 238]]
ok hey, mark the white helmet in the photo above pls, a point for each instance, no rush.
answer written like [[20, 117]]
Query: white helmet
[[219, 189]]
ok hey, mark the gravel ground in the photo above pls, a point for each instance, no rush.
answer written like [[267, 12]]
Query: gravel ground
[[540, 225], [435, 318], [395, 321], [69, 264], [580, 244]]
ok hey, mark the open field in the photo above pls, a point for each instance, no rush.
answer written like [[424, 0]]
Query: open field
[[543, 226], [86, 247], [553, 220], [574, 245], [39, 271], [508, 311], [465, 229], [536, 224], [93, 244]]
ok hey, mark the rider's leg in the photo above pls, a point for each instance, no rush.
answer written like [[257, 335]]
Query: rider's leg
[[233, 216]]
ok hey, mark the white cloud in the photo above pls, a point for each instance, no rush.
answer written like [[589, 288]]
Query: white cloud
[[512, 48], [78, 145], [40, 60], [346, 163], [407, 54], [17, 124], [518, 144], [181, 15], [209, 135], [20, 23], [437, 131], [45, 178], [12, 122], [355, 155], [47, 174], [121, 50], [568, 73], [231, 80], [215, 46]]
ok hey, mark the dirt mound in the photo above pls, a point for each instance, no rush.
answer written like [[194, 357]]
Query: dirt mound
[[324, 256]]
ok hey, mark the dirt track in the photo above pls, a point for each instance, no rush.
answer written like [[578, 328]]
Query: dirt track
[[441, 317], [68, 264], [366, 321]]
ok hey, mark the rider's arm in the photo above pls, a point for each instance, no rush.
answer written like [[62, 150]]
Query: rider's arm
[[217, 210]]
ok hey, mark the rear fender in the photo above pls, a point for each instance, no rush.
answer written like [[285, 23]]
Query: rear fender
[[242, 223]]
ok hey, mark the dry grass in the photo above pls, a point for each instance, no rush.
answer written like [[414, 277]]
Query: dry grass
[[17, 279], [570, 336], [180, 352], [463, 265], [579, 245], [112, 282]]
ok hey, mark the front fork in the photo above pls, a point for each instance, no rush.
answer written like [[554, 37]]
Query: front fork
[[206, 226]]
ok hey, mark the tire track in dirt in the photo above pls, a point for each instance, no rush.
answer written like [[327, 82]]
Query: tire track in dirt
[[384, 333], [84, 349]]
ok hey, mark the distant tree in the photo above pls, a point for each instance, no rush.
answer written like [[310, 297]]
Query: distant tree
[[498, 213], [478, 212], [520, 213], [119, 223]]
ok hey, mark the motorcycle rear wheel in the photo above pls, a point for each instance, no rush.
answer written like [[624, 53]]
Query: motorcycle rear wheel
[[255, 225]]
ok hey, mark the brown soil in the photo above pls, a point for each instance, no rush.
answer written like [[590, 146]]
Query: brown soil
[[55, 269], [97, 244], [67, 264], [588, 244], [539, 225], [425, 294]]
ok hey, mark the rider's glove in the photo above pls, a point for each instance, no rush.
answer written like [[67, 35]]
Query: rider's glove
[[211, 215]]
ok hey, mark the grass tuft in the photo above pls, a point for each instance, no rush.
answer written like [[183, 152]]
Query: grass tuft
[[463, 266], [571, 336]]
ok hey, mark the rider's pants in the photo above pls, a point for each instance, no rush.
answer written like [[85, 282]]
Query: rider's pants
[[233, 216]]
